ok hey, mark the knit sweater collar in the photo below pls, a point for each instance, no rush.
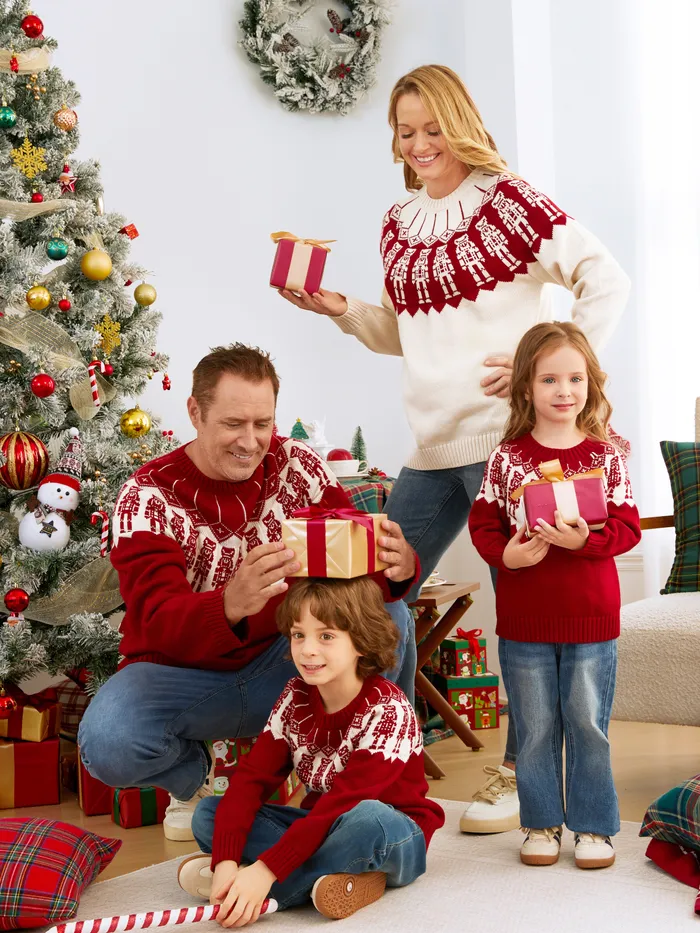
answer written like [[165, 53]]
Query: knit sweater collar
[[540, 453], [217, 487], [435, 205], [324, 721]]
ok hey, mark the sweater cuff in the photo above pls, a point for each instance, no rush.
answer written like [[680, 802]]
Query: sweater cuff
[[227, 847], [214, 619], [281, 860], [351, 321]]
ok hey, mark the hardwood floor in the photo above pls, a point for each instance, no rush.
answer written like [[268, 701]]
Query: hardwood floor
[[648, 759]]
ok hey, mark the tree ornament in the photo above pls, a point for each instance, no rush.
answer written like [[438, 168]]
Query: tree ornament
[[37, 197], [43, 385], [28, 159], [38, 298], [13, 367], [109, 335], [142, 455], [57, 248], [8, 117], [358, 448], [109, 369], [14, 64], [100, 517], [298, 432], [65, 119], [32, 26], [7, 704], [64, 304], [16, 601], [34, 87], [135, 423], [67, 180], [96, 265], [92, 367], [130, 231], [145, 294], [24, 460], [167, 384]]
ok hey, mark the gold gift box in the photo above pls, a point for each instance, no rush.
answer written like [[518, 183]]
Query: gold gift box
[[346, 546]]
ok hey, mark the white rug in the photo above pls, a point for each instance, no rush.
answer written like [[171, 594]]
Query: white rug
[[473, 883]]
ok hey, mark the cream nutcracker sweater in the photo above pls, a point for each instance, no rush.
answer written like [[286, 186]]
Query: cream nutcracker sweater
[[464, 279]]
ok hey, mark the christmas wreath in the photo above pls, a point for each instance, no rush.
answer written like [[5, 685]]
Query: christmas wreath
[[330, 73]]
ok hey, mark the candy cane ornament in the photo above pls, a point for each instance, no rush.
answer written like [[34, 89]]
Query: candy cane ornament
[[96, 518], [154, 918], [96, 364]]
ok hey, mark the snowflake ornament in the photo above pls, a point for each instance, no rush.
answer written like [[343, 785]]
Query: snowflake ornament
[[29, 159]]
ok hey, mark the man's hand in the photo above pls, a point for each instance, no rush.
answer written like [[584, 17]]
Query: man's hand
[[571, 537], [398, 553], [498, 383], [259, 578], [518, 553], [245, 894], [224, 873]]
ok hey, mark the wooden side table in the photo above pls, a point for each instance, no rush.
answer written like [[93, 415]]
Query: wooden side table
[[460, 595]]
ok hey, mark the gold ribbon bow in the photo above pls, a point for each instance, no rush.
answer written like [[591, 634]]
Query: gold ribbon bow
[[285, 235], [552, 473]]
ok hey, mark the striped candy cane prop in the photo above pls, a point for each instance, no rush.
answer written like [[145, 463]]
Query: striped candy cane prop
[[95, 519], [154, 918], [96, 364]]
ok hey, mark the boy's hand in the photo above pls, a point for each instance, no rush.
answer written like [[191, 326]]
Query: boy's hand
[[248, 889], [571, 537], [224, 873], [518, 553]]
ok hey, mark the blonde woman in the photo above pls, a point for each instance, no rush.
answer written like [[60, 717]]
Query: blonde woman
[[466, 258]]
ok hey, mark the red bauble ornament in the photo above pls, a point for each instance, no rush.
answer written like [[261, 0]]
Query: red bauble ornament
[[166, 382], [32, 26], [109, 369], [64, 304], [24, 460], [14, 64], [338, 453], [7, 705], [16, 601], [37, 197], [43, 385]]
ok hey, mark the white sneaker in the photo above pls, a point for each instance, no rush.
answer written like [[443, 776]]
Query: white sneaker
[[593, 851], [194, 875], [496, 808], [541, 846], [177, 824]]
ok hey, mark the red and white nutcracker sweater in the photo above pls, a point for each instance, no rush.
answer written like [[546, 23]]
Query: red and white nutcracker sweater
[[370, 750], [179, 537], [570, 596], [464, 279]]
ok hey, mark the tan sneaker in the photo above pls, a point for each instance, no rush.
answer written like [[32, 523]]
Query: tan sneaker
[[592, 850], [194, 875], [496, 808], [339, 896], [541, 846]]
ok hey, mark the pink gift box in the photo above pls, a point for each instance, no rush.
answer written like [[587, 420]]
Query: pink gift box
[[298, 265], [584, 497]]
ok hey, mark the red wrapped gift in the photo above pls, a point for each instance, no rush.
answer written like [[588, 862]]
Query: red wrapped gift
[[334, 543], [578, 496], [139, 806], [130, 231], [298, 264], [94, 797], [29, 774], [34, 719]]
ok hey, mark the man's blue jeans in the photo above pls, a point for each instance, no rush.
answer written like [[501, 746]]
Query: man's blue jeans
[[563, 693], [370, 837], [148, 723], [432, 507]]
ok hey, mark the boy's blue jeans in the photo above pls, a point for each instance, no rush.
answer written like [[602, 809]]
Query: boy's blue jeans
[[148, 723], [563, 693], [370, 837]]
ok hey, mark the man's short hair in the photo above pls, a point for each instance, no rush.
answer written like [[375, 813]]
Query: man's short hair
[[354, 606], [250, 363]]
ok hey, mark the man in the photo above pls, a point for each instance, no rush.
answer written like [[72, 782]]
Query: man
[[202, 570]]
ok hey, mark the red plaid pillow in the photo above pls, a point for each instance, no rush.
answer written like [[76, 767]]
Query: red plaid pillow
[[44, 868]]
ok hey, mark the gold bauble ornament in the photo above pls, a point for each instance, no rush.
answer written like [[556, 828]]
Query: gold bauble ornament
[[65, 119], [145, 294], [135, 422], [96, 265], [38, 298]]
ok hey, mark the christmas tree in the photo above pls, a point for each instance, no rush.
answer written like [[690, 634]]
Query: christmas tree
[[358, 448], [298, 432], [75, 343]]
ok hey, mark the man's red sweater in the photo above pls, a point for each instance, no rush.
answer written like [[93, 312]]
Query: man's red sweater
[[179, 537], [370, 750], [570, 596]]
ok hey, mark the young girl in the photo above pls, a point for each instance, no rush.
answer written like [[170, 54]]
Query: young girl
[[354, 740], [558, 595]]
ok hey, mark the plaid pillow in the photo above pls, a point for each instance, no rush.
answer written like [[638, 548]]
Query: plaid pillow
[[44, 868], [683, 465], [675, 816]]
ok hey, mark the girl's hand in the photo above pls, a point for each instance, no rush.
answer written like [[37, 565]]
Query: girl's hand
[[498, 383], [571, 537], [332, 304], [519, 553], [246, 894]]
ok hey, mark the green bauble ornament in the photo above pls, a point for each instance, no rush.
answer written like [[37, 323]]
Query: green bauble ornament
[[56, 248], [8, 118]]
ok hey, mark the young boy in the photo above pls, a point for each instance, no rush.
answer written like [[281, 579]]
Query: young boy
[[354, 740]]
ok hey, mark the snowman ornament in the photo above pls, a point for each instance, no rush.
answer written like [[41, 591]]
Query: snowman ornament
[[47, 528]]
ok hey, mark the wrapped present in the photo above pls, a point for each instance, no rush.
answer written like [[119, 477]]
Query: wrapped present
[[463, 655], [474, 698], [298, 264], [334, 542], [34, 719], [74, 701], [139, 806], [228, 753], [286, 791], [94, 797], [574, 497], [29, 773]]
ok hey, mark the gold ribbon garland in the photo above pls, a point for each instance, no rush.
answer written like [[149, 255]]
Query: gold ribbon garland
[[30, 62]]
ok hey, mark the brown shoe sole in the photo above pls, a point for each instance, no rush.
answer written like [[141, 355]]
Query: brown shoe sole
[[338, 896], [539, 859], [596, 862]]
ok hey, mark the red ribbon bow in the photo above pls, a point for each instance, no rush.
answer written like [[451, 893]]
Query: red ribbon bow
[[472, 636], [316, 517]]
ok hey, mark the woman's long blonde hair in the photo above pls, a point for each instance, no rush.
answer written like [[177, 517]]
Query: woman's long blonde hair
[[446, 98], [593, 421]]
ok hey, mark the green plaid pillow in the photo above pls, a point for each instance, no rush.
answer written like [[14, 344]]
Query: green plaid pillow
[[683, 465], [675, 816]]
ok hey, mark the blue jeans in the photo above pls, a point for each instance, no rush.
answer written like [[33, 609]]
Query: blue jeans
[[432, 507], [563, 693], [370, 837], [148, 723]]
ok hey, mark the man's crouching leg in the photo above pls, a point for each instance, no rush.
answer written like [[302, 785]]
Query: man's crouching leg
[[404, 673]]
